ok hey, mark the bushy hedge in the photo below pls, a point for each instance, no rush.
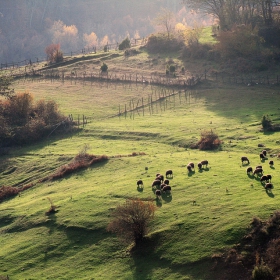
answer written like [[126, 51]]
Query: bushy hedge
[[125, 44], [23, 122], [157, 43]]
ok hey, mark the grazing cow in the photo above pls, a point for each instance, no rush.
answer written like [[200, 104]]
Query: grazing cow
[[158, 194], [191, 164], [264, 152], [204, 162], [268, 186], [160, 177], [166, 189], [259, 166], [156, 183], [271, 163], [262, 156], [199, 165], [189, 168], [140, 183], [245, 159], [169, 173], [166, 182], [249, 170], [269, 177], [263, 179], [258, 171]]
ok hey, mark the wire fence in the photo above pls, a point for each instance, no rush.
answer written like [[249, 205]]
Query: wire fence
[[40, 68], [25, 66]]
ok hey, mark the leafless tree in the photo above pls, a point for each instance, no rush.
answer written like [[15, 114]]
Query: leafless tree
[[130, 221], [166, 20]]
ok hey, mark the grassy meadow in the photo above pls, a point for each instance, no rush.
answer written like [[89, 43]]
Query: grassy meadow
[[73, 243]]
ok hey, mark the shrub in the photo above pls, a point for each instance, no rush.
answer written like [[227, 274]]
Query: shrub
[[58, 57], [157, 43], [18, 107], [54, 54], [208, 140], [241, 41], [172, 68], [262, 272], [48, 111], [81, 161], [198, 51], [125, 44], [52, 208], [104, 67], [131, 220], [7, 191], [22, 122], [34, 130], [266, 122]]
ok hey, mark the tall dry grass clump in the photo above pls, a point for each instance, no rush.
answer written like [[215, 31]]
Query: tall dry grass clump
[[209, 140], [80, 161]]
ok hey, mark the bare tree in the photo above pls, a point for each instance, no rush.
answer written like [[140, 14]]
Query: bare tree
[[131, 220], [166, 20], [231, 12]]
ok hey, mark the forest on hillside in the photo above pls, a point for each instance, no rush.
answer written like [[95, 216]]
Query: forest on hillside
[[28, 26]]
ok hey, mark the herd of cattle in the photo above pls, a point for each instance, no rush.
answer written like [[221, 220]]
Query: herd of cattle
[[161, 186], [264, 179]]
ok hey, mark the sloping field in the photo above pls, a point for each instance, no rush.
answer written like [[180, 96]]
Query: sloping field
[[73, 243]]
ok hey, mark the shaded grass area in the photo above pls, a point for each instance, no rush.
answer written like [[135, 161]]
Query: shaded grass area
[[72, 241]]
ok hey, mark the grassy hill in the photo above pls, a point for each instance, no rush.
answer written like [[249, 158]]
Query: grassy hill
[[73, 243]]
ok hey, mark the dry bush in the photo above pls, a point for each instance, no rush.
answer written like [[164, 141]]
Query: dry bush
[[52, 208], [241, 41], [262, 272], [81, 161], [130, 221], [272, 255], [54, 54], [208, 141], [157, 43], [22, 122], [17, 108], [8, 191], [48, 111]]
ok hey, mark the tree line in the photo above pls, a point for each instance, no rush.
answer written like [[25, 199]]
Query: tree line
[[27, 27]]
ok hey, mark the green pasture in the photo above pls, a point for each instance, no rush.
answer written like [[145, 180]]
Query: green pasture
[[74, 244]]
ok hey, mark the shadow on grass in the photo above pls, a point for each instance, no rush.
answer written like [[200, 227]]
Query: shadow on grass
[[167, 197], [158, 202], [51, 222], [251, 176], [269, 193], [147, 258], [191, 173], [140, 189]]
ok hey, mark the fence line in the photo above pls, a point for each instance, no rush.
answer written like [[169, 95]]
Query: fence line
[[29, 62], [156, 102], [248, 80]]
